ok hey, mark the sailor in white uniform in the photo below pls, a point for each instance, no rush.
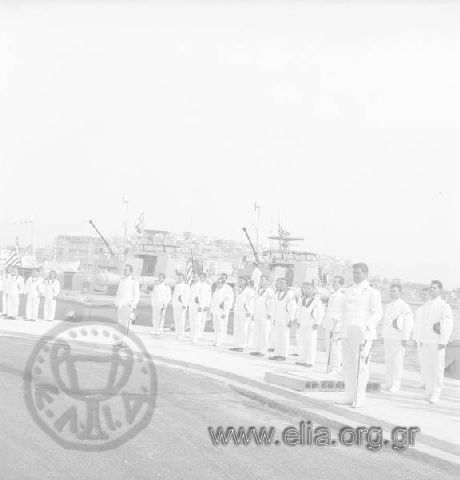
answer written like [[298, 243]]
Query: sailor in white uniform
[[128, 295], [397, 328], [6, 277], [271, 334], [255, 276], [242, 314], [51, 289], [416, 334], [263, 314], [284, 307], [435, 330], [363, 309], [180, 302], [333, 325], [221, 304], [15, 289], [33, 289], [161, 296], [309, 316], [199, 301]]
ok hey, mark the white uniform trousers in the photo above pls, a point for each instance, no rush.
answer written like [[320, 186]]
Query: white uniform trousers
[[4, 303], [280, 339], [49, 309], [179, 319], [13, 305], [195, 318], [333, 352], [219, 325], [240, 330], [250, 337], [394, 361], [271, 335], [307, 340], [157, 320], [419, 358], [350, 370], [433, 363], [32, 305], [261, 333]]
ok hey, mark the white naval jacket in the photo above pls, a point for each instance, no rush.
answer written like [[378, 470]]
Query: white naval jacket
[[263, 302], [244, 302], [308, 312], [400, 311], [15, 285], [222, 300], [434, 311], [51, 289], [161, 295], [181, 294], [284, 308], [33, 287], [334, 312], [362, 306], [127, 293], [202, 291]]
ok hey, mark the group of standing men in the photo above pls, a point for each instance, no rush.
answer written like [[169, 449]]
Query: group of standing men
[[263, 318], [13, 285]]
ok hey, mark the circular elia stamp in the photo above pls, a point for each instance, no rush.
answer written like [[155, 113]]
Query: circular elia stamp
[[86, 393]]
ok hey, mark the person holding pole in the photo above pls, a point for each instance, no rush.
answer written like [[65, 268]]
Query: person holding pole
[[333, 326], [362, 310], [126, 301]]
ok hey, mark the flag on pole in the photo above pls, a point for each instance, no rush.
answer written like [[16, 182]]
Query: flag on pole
[[189, 272], [282, 233], [13, 259], [140, 227]]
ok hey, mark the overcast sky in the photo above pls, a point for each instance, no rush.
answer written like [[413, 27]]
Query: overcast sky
[[343, 117]]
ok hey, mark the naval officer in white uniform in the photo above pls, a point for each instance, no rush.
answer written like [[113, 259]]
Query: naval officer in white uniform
[[333, 326], [51, 289], [435, 330], [161, 296], [180, 301], [128, 295], [397, 328], [33, 289], [362, 307]]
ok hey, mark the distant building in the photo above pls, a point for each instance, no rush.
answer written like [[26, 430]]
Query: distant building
[[85, 249]]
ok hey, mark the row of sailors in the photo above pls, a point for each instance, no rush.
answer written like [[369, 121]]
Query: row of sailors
[[12, 286], [263, 319]]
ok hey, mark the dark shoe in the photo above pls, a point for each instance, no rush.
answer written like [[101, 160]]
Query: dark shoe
[[295, 355], [271, 350], [272, 358], [236, 349], [256, 354], [302, 364]]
